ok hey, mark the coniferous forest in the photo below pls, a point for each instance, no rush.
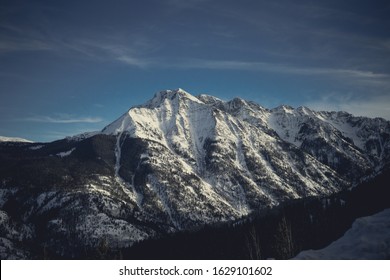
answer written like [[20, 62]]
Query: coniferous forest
[[277, 233]]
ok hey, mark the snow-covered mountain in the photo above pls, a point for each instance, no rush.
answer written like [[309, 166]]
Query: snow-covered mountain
[[178, 162], [242, 155], [14, 139]]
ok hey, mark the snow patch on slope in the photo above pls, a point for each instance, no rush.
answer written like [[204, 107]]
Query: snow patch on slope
[[65, 154], [369, 238], [34, 148]]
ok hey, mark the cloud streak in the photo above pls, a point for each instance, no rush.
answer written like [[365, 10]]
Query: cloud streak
[[276, 68], [371, 106], [62, 119], [25, 45], [107, 48]]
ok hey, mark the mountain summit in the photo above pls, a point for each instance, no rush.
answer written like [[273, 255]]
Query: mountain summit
[[180, 161]]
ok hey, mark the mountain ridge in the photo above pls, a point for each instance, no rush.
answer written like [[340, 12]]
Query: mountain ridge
[[14, 139], [178, 162]]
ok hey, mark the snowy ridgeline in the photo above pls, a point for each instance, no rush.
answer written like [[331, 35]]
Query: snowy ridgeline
[[14, 139], [369, 238]]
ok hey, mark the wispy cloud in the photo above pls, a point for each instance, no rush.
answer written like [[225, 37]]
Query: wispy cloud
[[134, 61], [62, 119], [15, 38], [111, 52], [370, 106], [130, 54], [23, 45], [275, 67], [317, 31], [107, 47]]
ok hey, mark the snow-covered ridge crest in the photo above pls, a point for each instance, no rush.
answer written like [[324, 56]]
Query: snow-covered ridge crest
[[163, 105], [169, 112], [173, 118], [14, 139], [161, 96], [209, 99], [82, 136], [207, 133]]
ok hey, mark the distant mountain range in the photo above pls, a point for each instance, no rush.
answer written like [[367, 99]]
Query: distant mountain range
[[175, 163]]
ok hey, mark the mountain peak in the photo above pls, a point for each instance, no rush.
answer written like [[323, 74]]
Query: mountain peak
[[209, 99], [161, 96], [284, 109], [304, 110]]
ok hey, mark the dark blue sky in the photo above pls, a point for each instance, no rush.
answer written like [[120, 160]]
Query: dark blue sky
[[73, 66]]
